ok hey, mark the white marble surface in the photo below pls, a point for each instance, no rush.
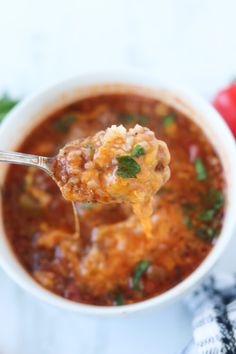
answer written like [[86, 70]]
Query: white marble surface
[[190, 41]]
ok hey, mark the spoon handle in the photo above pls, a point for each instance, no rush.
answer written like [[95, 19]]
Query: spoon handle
[[29, 160]]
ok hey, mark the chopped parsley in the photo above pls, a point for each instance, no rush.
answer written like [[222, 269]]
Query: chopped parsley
[[6, 104], [207, 215], [215, 201], [201, 172], [140, 269], [205, 233], [137, 151], [188, 222], [216, 198], [142, 119], [63, 125], [187, 209], [127, 167], [119, 299], [168, 120], [128, 118], [90, 147]]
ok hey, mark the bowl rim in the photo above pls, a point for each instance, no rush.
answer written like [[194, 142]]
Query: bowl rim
[[21, 277]]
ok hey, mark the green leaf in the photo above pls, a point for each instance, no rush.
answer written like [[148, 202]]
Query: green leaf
[[126, 118], [90, 147], [142, 119], [188, 222], [201, 171], [168, 120], [63, 125], [207, 215], [137, 151], [205, 233], [6, 104], [127, 167], [119, 299], [2, 115], [216, 198], [140, 269]]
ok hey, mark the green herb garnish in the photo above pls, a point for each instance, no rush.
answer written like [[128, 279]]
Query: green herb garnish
[[168, 120], [142, 119], [205, 233], [140, 269], [201, 171], [90, 147], [188, 222], [6, 104], [126, 118], [63, 125], [207, 215], [216, 198], [137, 151], [127, 167], [119, 299]]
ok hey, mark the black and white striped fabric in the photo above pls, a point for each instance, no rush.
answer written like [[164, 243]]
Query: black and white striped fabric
[[213, 305]]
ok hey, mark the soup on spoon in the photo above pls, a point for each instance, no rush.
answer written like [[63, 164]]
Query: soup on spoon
[[113, 166]]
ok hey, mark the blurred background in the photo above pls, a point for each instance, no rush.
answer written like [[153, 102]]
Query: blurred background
[[191, 42]]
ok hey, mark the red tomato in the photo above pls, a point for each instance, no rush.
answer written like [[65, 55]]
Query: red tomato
[[225, 103]]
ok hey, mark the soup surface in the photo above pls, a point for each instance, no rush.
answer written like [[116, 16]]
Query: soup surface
[[113, 262]]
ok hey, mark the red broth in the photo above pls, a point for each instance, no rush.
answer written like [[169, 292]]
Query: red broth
[[113, 262]]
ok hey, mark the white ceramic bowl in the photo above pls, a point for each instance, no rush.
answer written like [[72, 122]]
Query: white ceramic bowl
[[33, 109]]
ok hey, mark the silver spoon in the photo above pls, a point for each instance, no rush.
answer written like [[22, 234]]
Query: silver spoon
[[45, 163]]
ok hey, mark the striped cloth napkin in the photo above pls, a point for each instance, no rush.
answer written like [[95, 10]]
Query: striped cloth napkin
[[213, 305]]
